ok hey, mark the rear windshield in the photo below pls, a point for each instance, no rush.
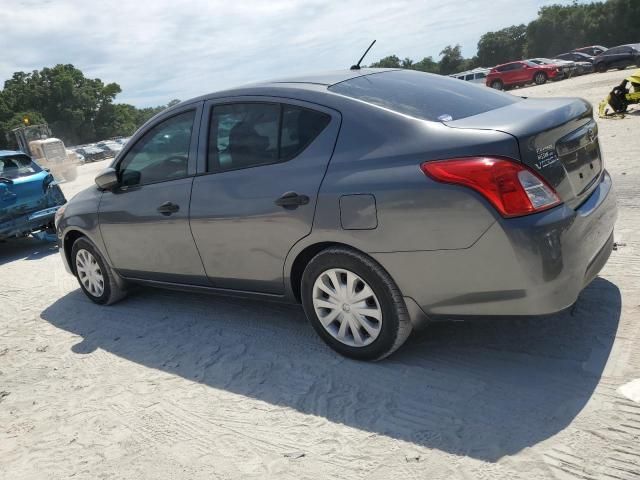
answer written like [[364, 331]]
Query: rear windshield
[[422, 95]]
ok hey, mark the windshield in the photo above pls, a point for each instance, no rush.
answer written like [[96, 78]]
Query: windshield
[[422, 95], [17, 166]]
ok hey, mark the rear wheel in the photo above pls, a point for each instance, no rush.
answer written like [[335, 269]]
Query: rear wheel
[[354, 305], [497, 84], [95, 277], [540, 78]]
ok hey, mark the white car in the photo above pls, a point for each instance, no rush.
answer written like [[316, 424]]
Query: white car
[[477, 75]]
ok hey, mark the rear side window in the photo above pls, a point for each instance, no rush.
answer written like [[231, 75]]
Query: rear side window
[[422, 95], [300, 127], [243, 135]]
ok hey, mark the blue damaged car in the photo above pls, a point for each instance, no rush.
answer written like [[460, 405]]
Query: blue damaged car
[[29, 197]]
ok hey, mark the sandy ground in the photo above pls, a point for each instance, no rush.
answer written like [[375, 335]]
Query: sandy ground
[[172, 385]]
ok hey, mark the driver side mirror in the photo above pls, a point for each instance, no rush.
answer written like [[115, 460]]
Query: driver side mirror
[[107, 179]]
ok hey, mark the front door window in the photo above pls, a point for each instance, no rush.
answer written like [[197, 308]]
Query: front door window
[[162, 154]]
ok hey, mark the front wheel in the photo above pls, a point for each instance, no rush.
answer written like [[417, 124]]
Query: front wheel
[[354, 305], [540, 78], [497, 84], [601, 67], [94, 275]]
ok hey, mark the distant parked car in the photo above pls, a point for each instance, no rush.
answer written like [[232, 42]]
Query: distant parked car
[[111, 147], [521, 73], [592, 50], [29, 197], [567, 68], [575, 57], [91, 153], [477, 75], [77, 157], [582, 61], [618, 57]]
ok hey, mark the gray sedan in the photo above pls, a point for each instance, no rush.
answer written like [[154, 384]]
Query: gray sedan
[[381, 200]]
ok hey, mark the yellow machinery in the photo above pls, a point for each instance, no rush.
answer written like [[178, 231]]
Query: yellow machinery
[[623, 95], [48, 152]]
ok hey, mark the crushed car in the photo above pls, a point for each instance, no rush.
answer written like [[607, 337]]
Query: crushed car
[[29, 198]]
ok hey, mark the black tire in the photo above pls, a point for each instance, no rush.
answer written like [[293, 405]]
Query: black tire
[[395, 324], [497, 84], [540, 78], [601, 67], [112, 292]]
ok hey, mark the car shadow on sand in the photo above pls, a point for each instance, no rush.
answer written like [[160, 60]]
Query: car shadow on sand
[[484, 389], [27, 248]]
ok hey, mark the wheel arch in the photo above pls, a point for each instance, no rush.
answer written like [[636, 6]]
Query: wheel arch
[[69, 238], [303, 258]]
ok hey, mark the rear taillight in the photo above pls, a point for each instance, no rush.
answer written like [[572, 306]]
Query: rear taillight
[[512, 188]]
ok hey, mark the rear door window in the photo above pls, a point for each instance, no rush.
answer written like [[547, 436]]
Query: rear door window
[[243, 135], [422, 95]]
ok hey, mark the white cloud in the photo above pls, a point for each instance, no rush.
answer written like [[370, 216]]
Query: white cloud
[[163, 49]]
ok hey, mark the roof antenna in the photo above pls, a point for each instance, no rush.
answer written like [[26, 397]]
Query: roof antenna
[[357, 65]]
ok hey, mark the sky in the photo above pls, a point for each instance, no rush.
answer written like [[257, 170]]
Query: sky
[[157, 50]]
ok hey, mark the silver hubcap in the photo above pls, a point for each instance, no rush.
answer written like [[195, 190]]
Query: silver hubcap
[[89, 273], [347, 307]]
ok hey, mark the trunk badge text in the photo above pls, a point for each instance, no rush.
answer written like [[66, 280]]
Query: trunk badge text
[[546, 156]]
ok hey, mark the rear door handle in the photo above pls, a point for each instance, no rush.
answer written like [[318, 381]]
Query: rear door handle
[[167, 208], [291, 200]]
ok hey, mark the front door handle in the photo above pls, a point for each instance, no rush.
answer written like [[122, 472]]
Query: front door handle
[[167, 208], [291, 200]]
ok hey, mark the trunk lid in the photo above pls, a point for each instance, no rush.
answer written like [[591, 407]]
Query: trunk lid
[[557, 137]]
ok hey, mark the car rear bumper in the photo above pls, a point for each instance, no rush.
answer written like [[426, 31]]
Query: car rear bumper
[[27, 223], [531, 265]]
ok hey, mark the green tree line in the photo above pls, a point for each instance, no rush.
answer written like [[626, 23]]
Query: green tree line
[[557, 29], [78, 109]]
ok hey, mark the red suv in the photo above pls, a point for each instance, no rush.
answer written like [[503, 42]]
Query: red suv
[[520, 73]]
